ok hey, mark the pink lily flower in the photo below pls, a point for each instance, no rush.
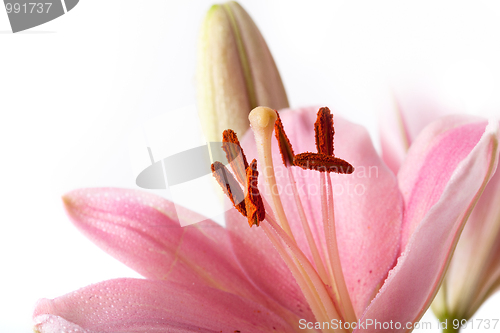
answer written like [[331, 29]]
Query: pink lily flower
[[474, 273], [378, 255]]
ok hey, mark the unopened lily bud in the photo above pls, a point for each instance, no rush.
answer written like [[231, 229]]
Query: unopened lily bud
[[236, 72]]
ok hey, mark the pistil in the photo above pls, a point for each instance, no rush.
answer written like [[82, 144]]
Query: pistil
[[262, 120]]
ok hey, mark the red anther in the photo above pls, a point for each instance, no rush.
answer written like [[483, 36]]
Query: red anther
[[253, 201]]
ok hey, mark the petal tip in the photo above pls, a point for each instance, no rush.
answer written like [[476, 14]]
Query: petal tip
[[493, 128]]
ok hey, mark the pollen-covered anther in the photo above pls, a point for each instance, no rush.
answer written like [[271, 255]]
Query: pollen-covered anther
[[324, 131], [323, 163], [234, 154], [286, 150], [230, 186], [253, 201]]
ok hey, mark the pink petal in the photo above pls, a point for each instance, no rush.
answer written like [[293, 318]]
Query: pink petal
[[400, 124], [265, 268], [421, 267], [368, 205], [475, 267], [142, 231], [368, 213], [394, 136], [430, 164], [134, 305]]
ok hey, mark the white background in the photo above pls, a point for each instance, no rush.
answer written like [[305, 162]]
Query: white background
[[72, 90]]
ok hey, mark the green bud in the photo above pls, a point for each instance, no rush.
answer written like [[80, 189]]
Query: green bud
[[236, 72]]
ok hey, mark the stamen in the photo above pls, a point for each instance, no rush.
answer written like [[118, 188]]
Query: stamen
[[324, 215], [235, 155], [230, 187], [309, 293], [304, 266], [325, 302], [279, 240], [288, 155], [286, 149], [262, 120], [323, 128], [253, 201], [307, 230], [333, 251], [323, 163]]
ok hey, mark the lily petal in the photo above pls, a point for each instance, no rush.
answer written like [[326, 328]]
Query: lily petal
[[368, 221], [465, 157], [142, 230], [395, 138], [400, 124], [474, 271], [264, 267], [135, 305], [430, 163], [368, 214]]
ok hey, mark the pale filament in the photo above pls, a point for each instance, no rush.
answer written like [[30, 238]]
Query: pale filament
[[310, 283], [262, 120], [309, 293], [307, 230], [333, 251]]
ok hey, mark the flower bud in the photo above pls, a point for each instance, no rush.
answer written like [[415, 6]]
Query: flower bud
[[236, 72]]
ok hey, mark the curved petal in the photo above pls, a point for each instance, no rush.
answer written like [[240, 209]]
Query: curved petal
[[264, 267], [431, 162], [395, 138], [401, 123], [134, 305], [368, 212], [142, 231], [474, 270], [415, 277], [368, 205]]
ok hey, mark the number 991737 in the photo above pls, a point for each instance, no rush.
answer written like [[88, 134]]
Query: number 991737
[[28, 8]]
